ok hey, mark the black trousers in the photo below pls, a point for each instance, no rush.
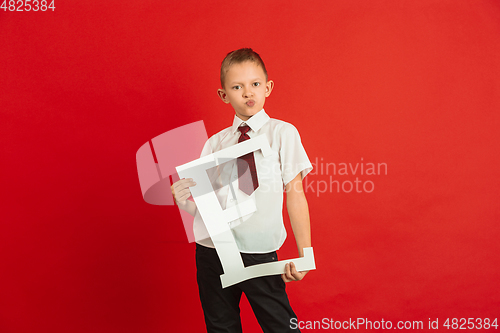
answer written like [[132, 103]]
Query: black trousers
[[266, 295]]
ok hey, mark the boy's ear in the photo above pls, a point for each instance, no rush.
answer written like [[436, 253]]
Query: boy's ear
[[223, 96], [269, 87]]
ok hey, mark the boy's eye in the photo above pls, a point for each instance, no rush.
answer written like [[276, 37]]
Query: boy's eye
[[256, 84], [237, 87]]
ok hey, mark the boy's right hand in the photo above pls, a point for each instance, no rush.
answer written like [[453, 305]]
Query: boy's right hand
[[181, 192]]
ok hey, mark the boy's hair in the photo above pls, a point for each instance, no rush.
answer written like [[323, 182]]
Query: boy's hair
[[238, 57]]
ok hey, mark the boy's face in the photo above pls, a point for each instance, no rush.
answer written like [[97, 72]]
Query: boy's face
[[246, 89]]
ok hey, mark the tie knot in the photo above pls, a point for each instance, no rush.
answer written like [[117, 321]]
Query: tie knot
[[244, 129]]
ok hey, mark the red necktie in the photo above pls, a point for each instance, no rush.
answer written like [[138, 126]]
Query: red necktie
[[246, 184]]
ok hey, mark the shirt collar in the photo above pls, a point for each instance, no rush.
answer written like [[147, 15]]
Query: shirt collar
[[255, 122]]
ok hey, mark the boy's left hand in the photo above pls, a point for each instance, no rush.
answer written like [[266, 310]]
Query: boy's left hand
[[291, 273]]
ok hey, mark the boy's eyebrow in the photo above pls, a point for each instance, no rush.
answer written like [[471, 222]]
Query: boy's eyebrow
[[252, 80]]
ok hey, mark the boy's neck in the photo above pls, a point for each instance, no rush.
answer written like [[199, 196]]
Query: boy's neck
[[244, 118]]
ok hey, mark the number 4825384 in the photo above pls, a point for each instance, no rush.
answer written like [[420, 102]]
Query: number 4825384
[[27, 5]]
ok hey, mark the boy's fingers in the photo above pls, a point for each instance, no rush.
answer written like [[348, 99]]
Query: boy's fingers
[[183, 195], [297, 276], [182, 192], [293, 271], [285, 279], [181, 188], [288, 273], [183, 183], [182, 198]]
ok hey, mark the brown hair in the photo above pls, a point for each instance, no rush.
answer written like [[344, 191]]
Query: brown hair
[[238, 57]]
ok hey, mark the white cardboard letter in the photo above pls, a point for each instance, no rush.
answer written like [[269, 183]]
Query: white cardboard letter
[[217, 220]]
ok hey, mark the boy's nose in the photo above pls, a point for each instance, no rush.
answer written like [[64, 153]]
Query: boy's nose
[[247, 93]]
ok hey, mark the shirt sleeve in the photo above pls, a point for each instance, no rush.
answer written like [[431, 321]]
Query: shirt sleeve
[[207, 149], [293, 157]]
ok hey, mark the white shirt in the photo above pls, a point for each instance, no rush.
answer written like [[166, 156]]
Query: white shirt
[[262, 231]]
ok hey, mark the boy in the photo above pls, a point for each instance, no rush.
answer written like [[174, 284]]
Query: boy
[[245, 85]]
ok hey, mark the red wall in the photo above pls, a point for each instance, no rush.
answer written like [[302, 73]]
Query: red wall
[[412, 84]]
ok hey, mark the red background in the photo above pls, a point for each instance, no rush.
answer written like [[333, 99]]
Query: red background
[[413, 84]]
